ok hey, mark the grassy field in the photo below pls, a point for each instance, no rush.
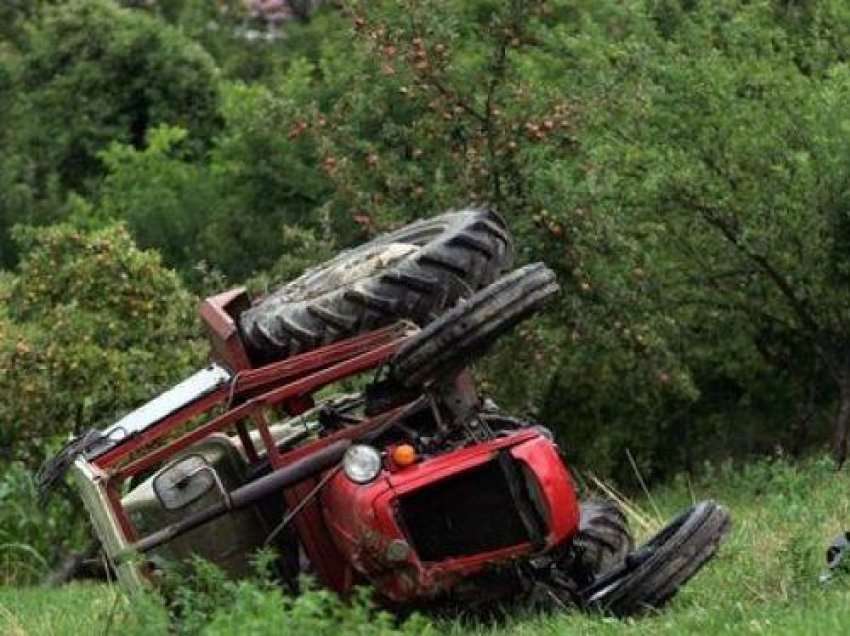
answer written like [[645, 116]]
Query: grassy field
[[765, 580]]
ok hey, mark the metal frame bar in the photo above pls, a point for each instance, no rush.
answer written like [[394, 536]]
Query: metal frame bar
[[275, 396], [306, 373], [288, 383]]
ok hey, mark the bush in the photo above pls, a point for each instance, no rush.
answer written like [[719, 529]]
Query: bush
[[230, 211], [443, 104], [90, 328], [93, 328]]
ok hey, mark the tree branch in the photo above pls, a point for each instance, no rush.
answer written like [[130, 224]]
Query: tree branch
[[711, 217]]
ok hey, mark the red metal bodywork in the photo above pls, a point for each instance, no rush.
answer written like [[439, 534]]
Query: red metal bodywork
[[351, 531], [363, 521]]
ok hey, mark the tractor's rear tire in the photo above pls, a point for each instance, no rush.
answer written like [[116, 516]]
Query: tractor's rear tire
[[651, 575], [414, 273], [603, 539], [464, 333]]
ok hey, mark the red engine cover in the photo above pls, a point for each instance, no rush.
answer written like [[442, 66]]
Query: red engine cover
[[366, 521]]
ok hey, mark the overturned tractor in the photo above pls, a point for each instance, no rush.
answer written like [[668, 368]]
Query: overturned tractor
[[411, 483]]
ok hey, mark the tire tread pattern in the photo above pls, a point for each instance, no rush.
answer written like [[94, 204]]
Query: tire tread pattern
[[459, 253], [603, 539], [677, 557], [462, 334]]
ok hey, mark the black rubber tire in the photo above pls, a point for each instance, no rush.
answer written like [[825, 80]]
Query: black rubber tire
[[414, 273], [653, 574], [464, 333], [603, 539]]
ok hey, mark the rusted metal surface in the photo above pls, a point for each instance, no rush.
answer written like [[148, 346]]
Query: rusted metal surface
[[294, 473], [159, 430], [219, 314], [113, 532], [304, 374], [250, 390], [275, 396]]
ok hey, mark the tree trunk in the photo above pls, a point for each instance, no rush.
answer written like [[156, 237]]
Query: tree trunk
[[806, 412], [842, 419]]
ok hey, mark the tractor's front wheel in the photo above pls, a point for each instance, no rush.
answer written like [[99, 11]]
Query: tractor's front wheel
[[651, 575], [464, 333]]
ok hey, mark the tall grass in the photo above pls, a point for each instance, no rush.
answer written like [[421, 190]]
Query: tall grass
[[765, 580], [34, 533]]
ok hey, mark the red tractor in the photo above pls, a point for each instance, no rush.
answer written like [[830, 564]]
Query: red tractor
[[410, 482]]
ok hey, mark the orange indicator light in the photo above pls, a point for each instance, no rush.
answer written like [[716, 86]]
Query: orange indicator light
[[404, 455]]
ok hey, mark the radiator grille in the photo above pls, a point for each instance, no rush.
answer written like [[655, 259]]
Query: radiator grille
[[466, 514]]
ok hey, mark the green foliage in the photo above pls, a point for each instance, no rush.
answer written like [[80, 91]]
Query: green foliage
[[317, 612], [166, 200], [726, 157], [79, 608], [630, 146], [300, 248], [33, 534], [465, 103], [266, 174], [764, 581], [13, 17], [90, 327], [231, 211], [202, 600], [245, 48], [89, 74], [680, 164], [93, 327]]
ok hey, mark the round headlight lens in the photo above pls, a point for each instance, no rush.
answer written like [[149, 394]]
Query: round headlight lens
[[361, 463]]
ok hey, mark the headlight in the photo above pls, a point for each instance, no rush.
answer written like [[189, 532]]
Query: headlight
[[361, 463]]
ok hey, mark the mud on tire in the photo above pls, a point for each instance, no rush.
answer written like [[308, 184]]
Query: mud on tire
[[414, 273], [465, 332]]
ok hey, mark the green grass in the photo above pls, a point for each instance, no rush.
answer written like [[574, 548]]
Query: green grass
[[765, 580], [74, 610]]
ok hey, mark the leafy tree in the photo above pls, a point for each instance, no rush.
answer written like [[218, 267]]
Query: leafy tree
[[732, 154], [166, 200], [88, 74], [681, 164], [13, 16], [231, 211], [613, 137], [441, 104], [91, 328], [251, 41]]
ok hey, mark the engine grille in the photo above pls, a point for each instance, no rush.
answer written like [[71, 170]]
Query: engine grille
[[466, 514]]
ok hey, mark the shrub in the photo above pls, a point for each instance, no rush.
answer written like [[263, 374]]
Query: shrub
[[201, 599], [32, 533], [93, 328]]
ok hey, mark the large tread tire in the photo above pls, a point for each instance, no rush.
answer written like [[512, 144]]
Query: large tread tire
[[414, 273], [603, 539], [464, 333], [653, 574]]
